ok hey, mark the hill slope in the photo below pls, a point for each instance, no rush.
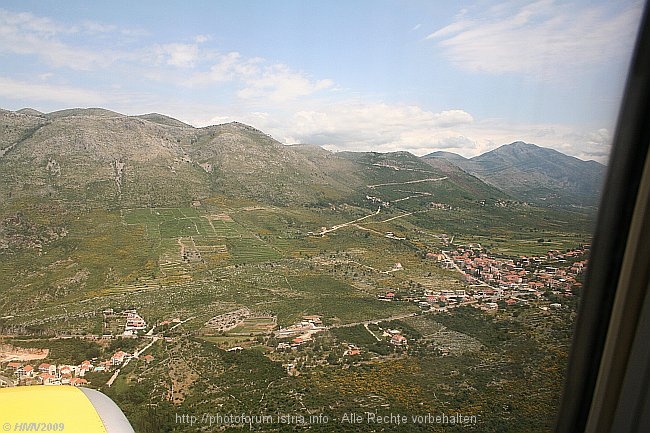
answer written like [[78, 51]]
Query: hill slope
[[397, 174], [95, 155], [534, 173]]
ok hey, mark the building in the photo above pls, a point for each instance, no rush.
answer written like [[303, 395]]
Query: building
[[134, 322], [28, 370], [48, 379], [118, 357], [398, 340], [352, 350], [77, 381], [14, 365]]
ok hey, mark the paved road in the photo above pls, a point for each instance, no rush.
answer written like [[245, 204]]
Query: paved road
[[431, 179], [338, 226], [136, 354], [368, 322], [114, 376], [371, 333]]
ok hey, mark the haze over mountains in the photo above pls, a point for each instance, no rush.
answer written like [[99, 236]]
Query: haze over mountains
[[98, 155]]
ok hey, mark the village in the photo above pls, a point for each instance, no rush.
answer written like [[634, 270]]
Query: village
[[491, 280], [17, 373]]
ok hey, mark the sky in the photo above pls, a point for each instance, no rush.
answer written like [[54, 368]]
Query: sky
[[380, 75]]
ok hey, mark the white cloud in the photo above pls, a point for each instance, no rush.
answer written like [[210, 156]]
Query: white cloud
[[180, 55], [95, 27], [366, 126], [545, 38], [381, 127], [251, 79], [10, 22], [256, 79], [26, 34], [295, 106], [278, 83], [54, 53], [185, 55], [30, 92], [450, 29], [595, 145], [231, 66], [452, 118]]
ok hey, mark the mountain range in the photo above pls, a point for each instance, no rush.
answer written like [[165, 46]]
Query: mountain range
[[534, 173], [99, 156]]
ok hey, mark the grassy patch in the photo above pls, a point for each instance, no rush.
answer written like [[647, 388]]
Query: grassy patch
[[357, 334]]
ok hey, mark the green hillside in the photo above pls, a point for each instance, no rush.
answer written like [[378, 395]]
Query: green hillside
[[102, 211]]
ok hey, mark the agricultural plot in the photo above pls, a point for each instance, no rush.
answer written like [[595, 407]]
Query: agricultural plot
[[178, 227], [169, 222], [229, 342], [264, 222], [298, 247], [225, 229], [334, 300], [454, 342], [139, 216], [532, 243], [256, 325], [356, 334], [114, 325], [250, 250], [424, 325], [215, 239]]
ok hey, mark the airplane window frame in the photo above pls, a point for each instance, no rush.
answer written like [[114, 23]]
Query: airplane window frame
[[605, 355]]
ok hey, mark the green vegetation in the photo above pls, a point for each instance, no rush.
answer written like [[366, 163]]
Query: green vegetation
[[265, 260], [357, 334], [222, 218]]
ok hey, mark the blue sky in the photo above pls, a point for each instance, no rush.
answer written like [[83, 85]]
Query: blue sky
[[461, 76]]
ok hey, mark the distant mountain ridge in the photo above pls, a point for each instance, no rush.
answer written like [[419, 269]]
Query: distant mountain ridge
[[451, 156], [98, 155], [533, 173]]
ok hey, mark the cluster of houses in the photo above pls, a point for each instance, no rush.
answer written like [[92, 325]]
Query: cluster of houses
[[308, 323], [229, 320], [63, 374], [555, 271], [133, 322], [50, 374], [494, 279], [428, 298], [301, 331], [442, 206], [393, 336]]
